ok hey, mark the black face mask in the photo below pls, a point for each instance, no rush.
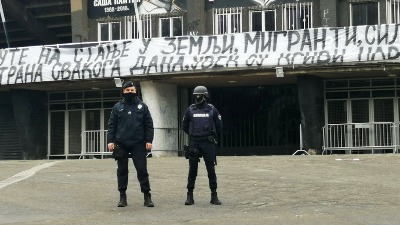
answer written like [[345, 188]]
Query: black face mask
[[129, 97], [199, 99]]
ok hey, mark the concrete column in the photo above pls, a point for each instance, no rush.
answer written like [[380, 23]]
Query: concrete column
[[162, 100], [311, 101], [196, 17], [79, 21], [328, 12]]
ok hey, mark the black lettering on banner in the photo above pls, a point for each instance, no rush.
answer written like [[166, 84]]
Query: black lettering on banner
[[39, 73], [171, 44], [12, 52], [116, 68], [336, 57], [22, 74], [90, 55], [250, 61], [78, 58], [195, 44], [22, 56], [385, 36], [336, 32], [216, 48], [208, 62], [323, 57], [276, 34], [319, 40], [210, 41], [228, 46], [44, 54], [196, 60], [76, 71], [65, 71], [266, 44], [216, 65], [297, 54], [351, 37], [55, 56], [181, 47], [293, 40], [306, 41], [116, 52], [250, 41], [3, 54], [309, 58], [76, 54], [367, 35], [109, 62], [107, 52], [168, 64], [139, 65], [284, 57], [146, 43], [233, 59], [125, 48], [29, 73], [100, 53], [360, 51], [261, 40], [396, 30], [97, 69], [55, 75], [179, 63], [19, 78], [256, 59], [11, 73], [379, 51], [153, 63], [2, 70], [393, 53], [86, 69]]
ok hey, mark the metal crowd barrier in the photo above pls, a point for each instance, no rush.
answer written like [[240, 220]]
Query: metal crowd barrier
[[167, 140], [377, 137], [94, 143]]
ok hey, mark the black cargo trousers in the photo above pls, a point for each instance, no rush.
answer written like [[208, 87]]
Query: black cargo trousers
[[208, 152], [138, 153]]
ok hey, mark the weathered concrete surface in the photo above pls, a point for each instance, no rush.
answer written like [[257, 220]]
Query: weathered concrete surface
[[254, 190]]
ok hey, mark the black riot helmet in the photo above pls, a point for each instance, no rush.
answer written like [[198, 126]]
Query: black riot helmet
[[200, 94]]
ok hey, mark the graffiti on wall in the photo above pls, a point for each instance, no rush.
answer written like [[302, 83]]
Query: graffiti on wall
[[319, 46]]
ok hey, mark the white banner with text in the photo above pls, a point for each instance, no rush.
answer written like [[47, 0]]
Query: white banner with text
[[320, 46]]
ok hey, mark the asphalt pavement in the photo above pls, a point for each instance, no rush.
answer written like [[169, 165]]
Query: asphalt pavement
[[303, 189]]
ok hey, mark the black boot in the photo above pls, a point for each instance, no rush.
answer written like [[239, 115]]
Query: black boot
[[189, 199], [122, 200], [214, 198], [147, 200]]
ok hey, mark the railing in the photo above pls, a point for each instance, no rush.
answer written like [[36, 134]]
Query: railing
[[378, 137], [94, 142], [167, 140]]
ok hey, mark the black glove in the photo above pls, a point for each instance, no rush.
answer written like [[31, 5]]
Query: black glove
[[119, 153], [186, 151]]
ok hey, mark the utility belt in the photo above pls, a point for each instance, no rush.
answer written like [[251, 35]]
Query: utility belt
[[194, 153], [207, 138]]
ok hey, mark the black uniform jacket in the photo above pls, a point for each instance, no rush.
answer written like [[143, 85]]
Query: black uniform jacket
[[130, 124]]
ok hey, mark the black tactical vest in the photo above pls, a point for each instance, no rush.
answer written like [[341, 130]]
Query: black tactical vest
[[201, 122]]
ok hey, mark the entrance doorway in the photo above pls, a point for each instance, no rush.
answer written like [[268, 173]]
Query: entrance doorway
[[72, 113]]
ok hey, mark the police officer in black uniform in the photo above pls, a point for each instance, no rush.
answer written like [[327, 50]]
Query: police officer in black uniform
[[202, 122], [130, 127]]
